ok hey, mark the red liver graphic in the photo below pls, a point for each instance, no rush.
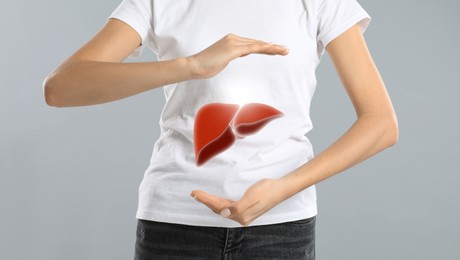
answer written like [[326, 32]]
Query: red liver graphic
[[214, 130]]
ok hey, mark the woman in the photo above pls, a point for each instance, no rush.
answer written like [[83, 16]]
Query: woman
[[256, 198]]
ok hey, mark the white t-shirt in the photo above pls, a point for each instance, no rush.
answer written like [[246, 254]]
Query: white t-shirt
[[173, 29]]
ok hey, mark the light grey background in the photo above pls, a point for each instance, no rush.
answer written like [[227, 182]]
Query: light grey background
[[69, 176]]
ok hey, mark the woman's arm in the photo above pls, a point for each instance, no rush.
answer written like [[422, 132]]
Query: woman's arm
[[375, 129], [95, 73]]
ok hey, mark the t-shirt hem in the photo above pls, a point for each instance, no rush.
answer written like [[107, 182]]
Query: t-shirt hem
[[218, 221]]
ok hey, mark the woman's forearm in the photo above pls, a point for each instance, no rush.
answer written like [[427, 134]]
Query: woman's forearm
[[85, 82], [368, 136]]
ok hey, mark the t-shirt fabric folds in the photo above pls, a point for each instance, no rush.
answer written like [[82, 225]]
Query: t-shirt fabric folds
[[173, 29]]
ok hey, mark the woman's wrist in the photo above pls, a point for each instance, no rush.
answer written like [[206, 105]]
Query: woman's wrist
[[285, 189], [193, 68], [295, 181]]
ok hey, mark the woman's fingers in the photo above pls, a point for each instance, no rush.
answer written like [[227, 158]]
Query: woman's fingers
[[246, 46], [263, 48], [215, 58], [242, 39]]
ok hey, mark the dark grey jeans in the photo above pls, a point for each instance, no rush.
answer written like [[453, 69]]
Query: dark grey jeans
[[289, 240]]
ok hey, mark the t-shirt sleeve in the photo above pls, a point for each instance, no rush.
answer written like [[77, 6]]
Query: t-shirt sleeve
[[336, 16], [139, 15]]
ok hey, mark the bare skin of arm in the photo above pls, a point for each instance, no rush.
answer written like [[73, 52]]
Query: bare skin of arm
[[375, 129], [95, 73], [376, 126]]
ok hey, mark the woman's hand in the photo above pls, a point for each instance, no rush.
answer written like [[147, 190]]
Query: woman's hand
[[215, 58], [258, 199]]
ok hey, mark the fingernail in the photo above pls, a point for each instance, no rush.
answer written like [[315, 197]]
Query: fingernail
[[225, 213], [193, 196]]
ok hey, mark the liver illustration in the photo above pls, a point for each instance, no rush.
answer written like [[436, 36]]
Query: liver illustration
[[219, 125]]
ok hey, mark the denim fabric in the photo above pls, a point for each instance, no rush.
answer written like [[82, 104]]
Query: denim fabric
[[289, 240]]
